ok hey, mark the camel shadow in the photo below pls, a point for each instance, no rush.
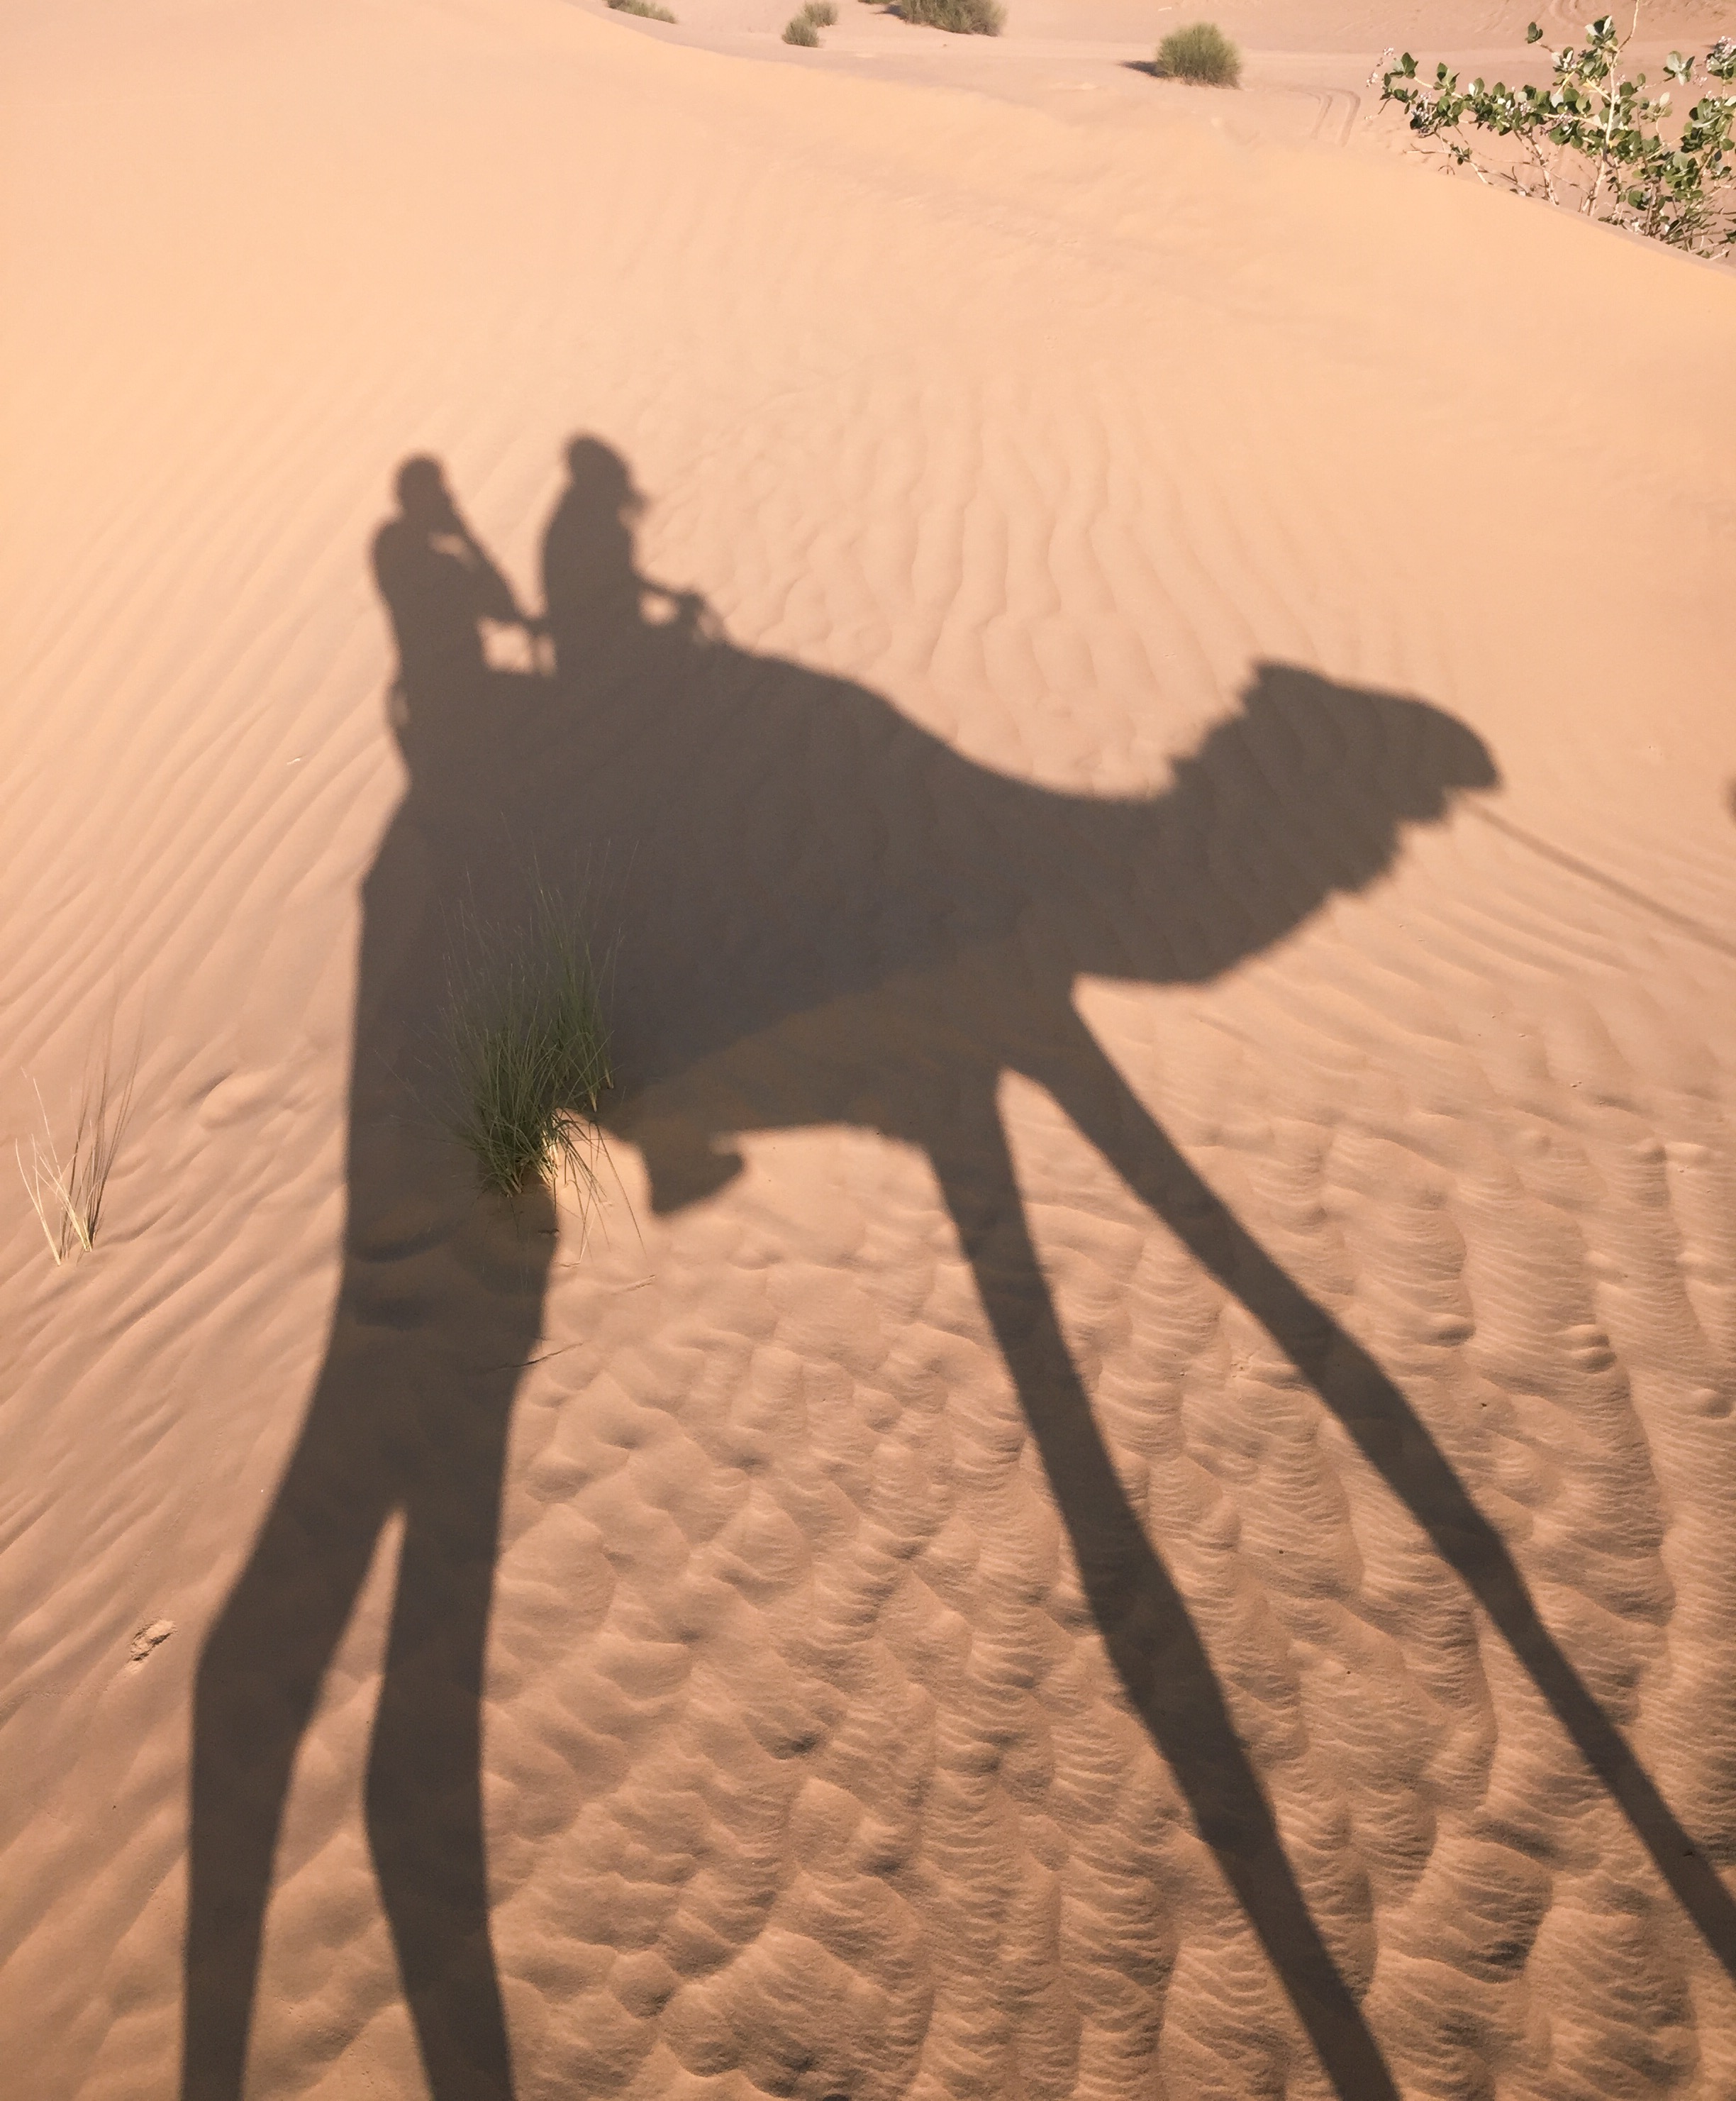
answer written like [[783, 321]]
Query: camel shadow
[[818, 913]]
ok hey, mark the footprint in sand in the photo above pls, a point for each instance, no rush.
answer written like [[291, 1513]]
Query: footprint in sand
[[149, 1638]]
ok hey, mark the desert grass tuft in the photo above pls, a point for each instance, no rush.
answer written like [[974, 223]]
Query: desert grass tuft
[[67, 1196], [964, 18], [531, 1047], [1200, 53], [648, 8], [799, 29]]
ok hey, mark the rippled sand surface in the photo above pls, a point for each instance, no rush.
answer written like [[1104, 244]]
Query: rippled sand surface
[[1130, 1493]]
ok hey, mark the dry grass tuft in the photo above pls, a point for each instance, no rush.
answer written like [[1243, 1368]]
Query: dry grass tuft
[[67, 1196], [1201, 53], [963, 18]]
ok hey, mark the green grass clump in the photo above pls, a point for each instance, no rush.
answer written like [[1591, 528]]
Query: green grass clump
[[821, 13], [648, 8], [1201, 53], [964, 18], [804, 28], [531, 1050]]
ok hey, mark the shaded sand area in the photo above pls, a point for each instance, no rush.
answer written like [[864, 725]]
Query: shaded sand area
[[1132, 1494]]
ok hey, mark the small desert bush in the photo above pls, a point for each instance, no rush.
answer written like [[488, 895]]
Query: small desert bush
[[1594, 138], [1201, 53], [648, 8], [805, 28], [531, 1050], [964, 18]]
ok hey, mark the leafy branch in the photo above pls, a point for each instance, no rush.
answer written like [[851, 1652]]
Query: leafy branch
[[1593, 133]]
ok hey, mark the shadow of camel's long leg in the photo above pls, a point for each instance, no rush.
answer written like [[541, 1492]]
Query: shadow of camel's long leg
[[1152, 1640], [259, 1675], [391, 1426], [1393, 1439], [424, 1791]]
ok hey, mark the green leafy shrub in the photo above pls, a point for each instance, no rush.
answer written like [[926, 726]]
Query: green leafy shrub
[[964, 18], [1201, 53], [648, 8], [1593, 135], [531, 1048]]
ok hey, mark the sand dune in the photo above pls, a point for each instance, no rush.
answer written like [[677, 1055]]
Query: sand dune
[[1130, 1495]]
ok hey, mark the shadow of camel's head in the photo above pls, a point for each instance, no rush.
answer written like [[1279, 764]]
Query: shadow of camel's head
[[1305, 791], [1402, 760]]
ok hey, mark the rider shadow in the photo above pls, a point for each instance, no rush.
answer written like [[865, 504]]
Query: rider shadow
[[817, 913]]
